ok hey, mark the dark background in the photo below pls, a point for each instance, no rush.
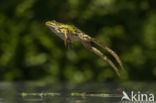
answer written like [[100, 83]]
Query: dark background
[[30, 51]]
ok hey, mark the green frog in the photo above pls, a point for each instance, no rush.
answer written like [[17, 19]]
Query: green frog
[[70, 33]]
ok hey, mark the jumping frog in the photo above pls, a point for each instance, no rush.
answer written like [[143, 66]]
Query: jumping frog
[[70, 33]]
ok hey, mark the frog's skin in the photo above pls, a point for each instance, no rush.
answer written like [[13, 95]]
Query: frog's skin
[[70, 33]]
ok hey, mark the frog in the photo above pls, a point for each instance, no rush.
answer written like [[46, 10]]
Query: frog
[[70, 34]]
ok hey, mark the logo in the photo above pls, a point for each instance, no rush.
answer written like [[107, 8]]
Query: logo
[[138, 96]]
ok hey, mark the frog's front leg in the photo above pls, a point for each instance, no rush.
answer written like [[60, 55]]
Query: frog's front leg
[[66, 36], [99, 53]]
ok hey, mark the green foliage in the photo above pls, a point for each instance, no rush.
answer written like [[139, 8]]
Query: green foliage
[[30, 51]]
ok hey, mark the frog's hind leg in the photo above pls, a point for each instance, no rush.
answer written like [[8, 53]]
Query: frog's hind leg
[[99, 53], [109, 50]]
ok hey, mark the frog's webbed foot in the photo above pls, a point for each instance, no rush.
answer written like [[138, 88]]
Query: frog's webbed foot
[[99, 53]]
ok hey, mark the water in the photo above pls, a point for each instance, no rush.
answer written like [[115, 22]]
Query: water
[[41, 92]]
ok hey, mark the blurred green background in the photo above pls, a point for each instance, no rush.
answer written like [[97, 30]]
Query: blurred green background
[[30, 51]]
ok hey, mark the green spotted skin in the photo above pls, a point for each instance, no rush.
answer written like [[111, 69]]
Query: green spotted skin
[[74, 33]]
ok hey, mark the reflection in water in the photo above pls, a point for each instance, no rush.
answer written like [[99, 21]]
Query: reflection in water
[[40, 92]]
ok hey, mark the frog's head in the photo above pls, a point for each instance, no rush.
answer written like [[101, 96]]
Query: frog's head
[[54, 26], [60, 29]]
